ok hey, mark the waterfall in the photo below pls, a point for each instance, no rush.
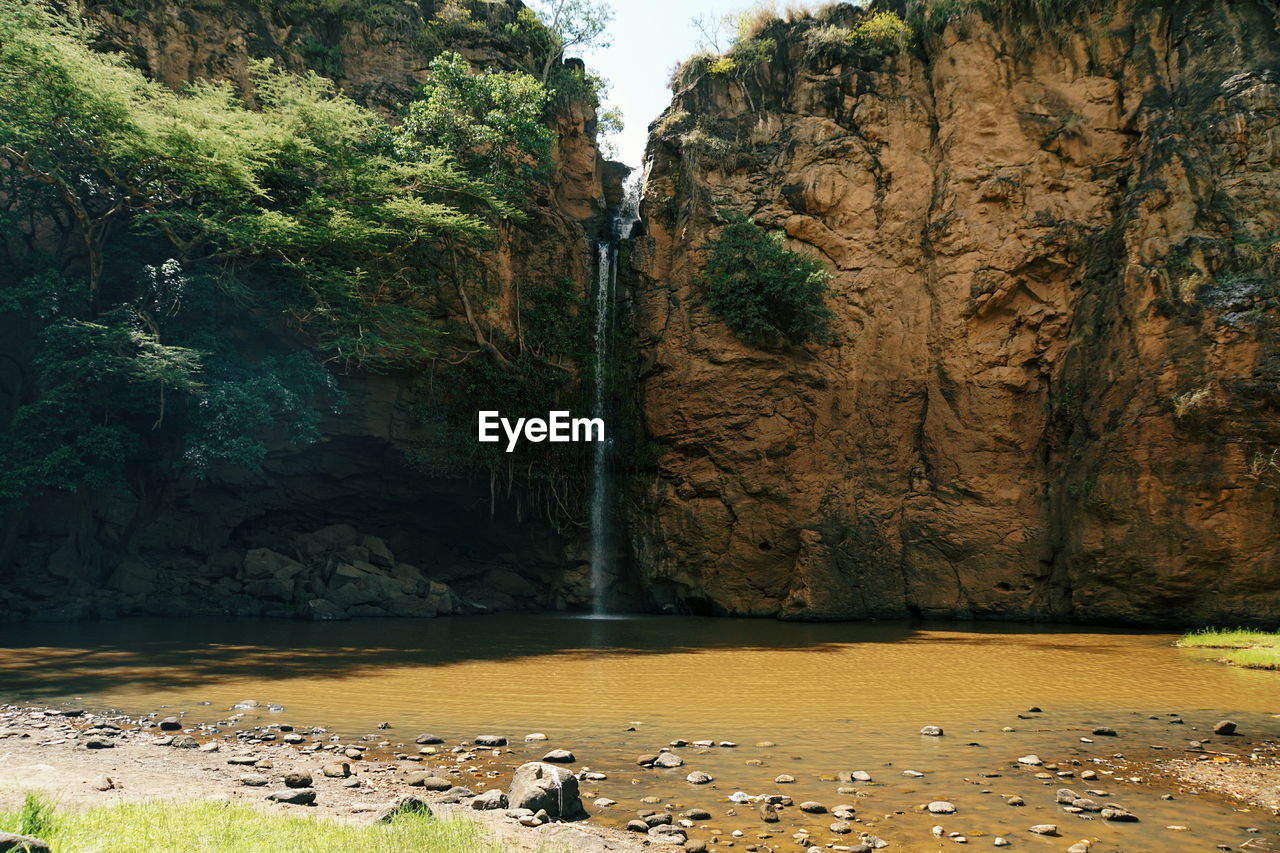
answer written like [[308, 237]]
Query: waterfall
[[601, 494]]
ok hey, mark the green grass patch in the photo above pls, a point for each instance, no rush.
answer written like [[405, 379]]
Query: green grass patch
[[1242, 647], [219, 827]]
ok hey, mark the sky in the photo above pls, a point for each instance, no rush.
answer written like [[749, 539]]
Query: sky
[[648, 37]]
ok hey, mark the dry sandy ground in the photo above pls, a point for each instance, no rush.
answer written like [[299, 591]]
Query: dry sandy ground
[[1250, 776], [48, 752]]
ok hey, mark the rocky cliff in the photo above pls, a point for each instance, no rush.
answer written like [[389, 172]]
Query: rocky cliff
[[1053, 384], [371, 494]]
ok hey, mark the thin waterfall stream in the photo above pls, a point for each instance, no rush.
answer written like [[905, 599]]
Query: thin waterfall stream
[[605, 310]]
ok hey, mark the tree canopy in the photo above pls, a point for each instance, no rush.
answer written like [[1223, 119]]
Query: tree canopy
[[137, 221]]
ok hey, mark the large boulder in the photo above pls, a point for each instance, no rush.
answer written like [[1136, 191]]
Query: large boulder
[[262, 563], [441, 597], [335, 537], [323, 610], [133, 577], [379, 553], [361, 583], [539, 786], [269, 589]]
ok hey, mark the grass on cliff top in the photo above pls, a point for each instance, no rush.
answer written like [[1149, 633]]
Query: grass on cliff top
[[218, 827], [1253, 649]]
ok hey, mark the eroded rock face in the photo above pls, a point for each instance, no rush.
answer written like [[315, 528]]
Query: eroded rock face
[[1052, 385]]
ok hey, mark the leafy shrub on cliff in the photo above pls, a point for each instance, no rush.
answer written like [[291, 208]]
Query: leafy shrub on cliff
[[762, 290], [490, 123], [877, 34], [882, 32]]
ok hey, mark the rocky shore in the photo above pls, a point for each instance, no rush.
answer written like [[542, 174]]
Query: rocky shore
[[85, 759], [532, 796]]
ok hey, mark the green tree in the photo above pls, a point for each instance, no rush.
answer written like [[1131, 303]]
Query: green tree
[[572, 24], [490, 123], [762, 290]]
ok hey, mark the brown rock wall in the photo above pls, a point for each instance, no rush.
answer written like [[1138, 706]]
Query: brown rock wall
[[1038, 241]]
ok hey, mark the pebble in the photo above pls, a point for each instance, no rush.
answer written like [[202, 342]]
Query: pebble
[[812, 807], [784, 779], [98, 743], [1045, 829], [1001, 841], [1119, 815], [294, 796], [428, 739], [254, 780], [534, 737], [490, 800], [560, 756], [1015, 801], [185, 742], [1030, 760], [1103, 731], [931, 731], [913, 774], [941, 807], [338, 770], [1225, 727], [697, 777], [490, 740], [840, 828], [668, 759], [297, 779], [768, 813], [428, 780], [170, 724]]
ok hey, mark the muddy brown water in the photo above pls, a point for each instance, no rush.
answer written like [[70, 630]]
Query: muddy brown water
[[830, 697]]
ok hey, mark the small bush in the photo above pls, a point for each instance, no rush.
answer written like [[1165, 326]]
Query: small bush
[[829, 37], [36, 817], [1184, 404], [670, 121], [762, 290], [881, 33]]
